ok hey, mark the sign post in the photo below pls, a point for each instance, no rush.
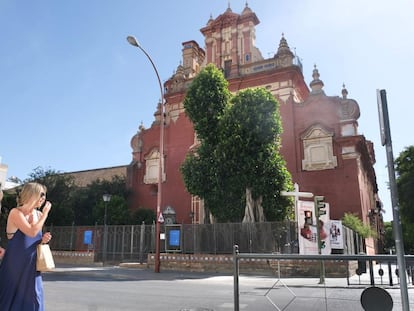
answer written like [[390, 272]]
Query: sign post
[[397, 230], [297, 194], [320, 209]]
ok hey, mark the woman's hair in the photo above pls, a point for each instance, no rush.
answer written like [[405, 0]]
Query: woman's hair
[[29, 191]]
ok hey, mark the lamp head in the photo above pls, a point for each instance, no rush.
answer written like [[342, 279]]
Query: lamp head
[[133, 41], [106, 197]]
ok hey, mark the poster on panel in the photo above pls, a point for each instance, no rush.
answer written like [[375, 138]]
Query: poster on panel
[[308, 242], [336, 236]]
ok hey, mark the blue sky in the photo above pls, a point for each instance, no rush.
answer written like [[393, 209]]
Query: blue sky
[[73, 91]]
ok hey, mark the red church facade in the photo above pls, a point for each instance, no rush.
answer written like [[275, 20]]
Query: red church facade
[[323, 150]]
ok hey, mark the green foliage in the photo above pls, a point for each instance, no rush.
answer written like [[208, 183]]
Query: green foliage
[[389, 241], [83, 201], [8, 202], [404, 166], [81, 205], [206, 101], [59, 190], [408, 238], [240, 141], [89, 207], [144, 215], [116, 210], [355, 223]]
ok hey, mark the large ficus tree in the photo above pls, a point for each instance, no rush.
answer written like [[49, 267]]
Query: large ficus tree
[[249, 146], [205, 104], [404, 165], [237, 168]]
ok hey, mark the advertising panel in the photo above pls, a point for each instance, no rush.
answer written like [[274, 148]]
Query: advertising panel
[[336, 236], [308, 242]]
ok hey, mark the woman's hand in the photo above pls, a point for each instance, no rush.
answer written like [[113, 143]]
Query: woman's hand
[[46, 208], [46, 237]]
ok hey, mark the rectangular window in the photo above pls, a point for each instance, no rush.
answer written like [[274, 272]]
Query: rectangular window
[[227, 68]]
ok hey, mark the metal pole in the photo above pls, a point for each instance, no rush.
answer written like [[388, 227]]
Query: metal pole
[[236, 277], [399, 245], [141, 243], [319, 242], [131, 244], [106, 197], [371, 272], [105, 234], [390, 274], [135, 43], [72, 234]]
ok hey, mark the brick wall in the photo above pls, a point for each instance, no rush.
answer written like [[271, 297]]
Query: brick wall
[[75, 258], [224, 264]]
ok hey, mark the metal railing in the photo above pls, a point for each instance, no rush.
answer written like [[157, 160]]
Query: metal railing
[[361, 259]]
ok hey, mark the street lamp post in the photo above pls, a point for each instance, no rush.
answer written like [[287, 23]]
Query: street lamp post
[[106, 197], [135, 43]]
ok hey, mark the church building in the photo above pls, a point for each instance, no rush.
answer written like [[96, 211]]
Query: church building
[[323, 149]]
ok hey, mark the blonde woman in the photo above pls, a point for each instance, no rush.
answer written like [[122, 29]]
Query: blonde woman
[[21, 286]]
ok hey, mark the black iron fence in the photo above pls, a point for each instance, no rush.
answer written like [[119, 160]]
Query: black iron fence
[[135, 242]]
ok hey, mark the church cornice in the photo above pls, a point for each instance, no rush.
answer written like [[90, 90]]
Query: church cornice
[[228, 19]]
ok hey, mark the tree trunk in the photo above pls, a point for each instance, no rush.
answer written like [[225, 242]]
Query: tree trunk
[[259, 210], [254, 210], [208, 217]]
